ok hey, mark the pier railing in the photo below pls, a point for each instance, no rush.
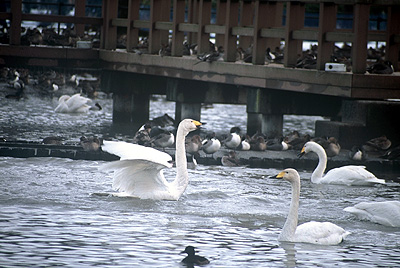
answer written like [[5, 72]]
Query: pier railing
[[256, 23]]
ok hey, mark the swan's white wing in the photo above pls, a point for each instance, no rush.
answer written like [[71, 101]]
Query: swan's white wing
[[351, 175], [76, 102], [323, 233], [385, 213], [130, 151], [61, 108], [139, 178]]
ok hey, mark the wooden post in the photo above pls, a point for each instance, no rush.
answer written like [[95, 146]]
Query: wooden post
[[165, 16], [154, 34], [393, 28], [80, 7], [246, 19], [260, 21], [360, 42], [294, 21], [221, 18], [177, 36], [132, 37], [193, 17], [109, 36], [327, 23], [232, 15], [203, 39], [16, 19], [275, 13]]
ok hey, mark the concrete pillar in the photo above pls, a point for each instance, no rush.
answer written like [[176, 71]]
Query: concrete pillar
[[272, 125], [130, 109], [187, 110]]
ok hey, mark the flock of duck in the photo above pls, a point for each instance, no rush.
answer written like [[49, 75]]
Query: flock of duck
[[139, 174]]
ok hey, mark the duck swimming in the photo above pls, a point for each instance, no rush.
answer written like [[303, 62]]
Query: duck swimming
[[193, 259]]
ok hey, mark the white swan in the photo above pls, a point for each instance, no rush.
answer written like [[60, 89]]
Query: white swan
[[139, 172], [323, 233], [73, 104], [386, 212], [347, 175]]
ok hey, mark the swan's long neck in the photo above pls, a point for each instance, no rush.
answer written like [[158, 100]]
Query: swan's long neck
[[182, 179], [319, 170], [289, 229]]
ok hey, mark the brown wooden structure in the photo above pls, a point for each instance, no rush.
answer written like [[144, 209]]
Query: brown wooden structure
[[268, 90]]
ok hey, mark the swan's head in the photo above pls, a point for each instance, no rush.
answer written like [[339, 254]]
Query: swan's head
[[308, 147], [289, 174], [189, 125]]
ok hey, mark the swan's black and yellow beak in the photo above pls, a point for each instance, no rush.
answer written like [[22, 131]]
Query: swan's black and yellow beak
[[303, 152], [279, 176], [198, 124]]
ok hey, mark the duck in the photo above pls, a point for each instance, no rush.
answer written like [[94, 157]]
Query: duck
[[163, 140], [380, 67], [90, 144], [258, 144], [142, 136], [296, 143], [73, 104], [385, 212], [245, 144], [392, 153], [54, 140], [321, 233], [211, 144], [193, 259], [277, 145], [331, 145], [230, 160], [356, 153], [377, 146], [193, 144], [139, 172], [233, 140], [345, 175]]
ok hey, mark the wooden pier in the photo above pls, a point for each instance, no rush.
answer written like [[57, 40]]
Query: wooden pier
[[269, 90]]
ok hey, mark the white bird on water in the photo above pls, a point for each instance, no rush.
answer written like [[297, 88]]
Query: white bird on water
[[347, 175], [73, 104], [322, 233], [139, 172], [385, 212]]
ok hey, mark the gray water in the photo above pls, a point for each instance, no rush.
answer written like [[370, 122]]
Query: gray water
[[233, 216]]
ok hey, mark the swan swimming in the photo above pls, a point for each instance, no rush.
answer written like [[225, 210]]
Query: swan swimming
[[347, 175], [386, 212], [139, 172], [322, 233], [73, 104]]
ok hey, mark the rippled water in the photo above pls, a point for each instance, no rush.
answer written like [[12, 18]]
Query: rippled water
[[48, 217]]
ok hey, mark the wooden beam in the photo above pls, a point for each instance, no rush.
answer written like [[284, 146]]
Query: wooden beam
[[203, 38], [246, 19], [80, 7], [260, 21], [178, 36], [109, 33], [232, 15], [294, 21], [327, 23], [393, 29], [359, 47], [154, 34], [16, 20], [132, 33]]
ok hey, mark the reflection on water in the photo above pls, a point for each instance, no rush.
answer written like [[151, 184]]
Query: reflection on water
[[233, 216]]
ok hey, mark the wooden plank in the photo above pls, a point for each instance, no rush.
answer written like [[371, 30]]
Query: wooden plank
[[177, 35], [273, 33], [245, 22], [118, 22], [188, 27], [339, 36], [163, 25], [294, 21], [80, 12], [305, 34], [132, 33], [15, 27], [232, 15], [393, 30], [359, 54], [109, 36], [141, 24], [260, 21], [243, 31], [217, 29], [327, 23], [203, 38]]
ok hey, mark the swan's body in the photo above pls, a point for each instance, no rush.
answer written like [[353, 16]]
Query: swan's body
[[385, 213], [347, 175], [323, 233], [74, 104], [139, 171]]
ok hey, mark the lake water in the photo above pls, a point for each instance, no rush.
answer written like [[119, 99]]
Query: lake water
[[233, 216]]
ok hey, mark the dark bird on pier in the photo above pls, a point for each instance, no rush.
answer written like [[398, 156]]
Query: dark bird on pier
[[233, 140], [230, 160], [193, 259], [356, 153], [381, 67], [142, 136], [277, 144], [211, 56], [90, 144], [377, 146], [163, 139], [55, 140], [165, 50], [392, 153], [193, 144], [331, 145], [258, 144]]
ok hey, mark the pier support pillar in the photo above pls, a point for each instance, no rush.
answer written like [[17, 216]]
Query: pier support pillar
[[131, 108], [188, 97]]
